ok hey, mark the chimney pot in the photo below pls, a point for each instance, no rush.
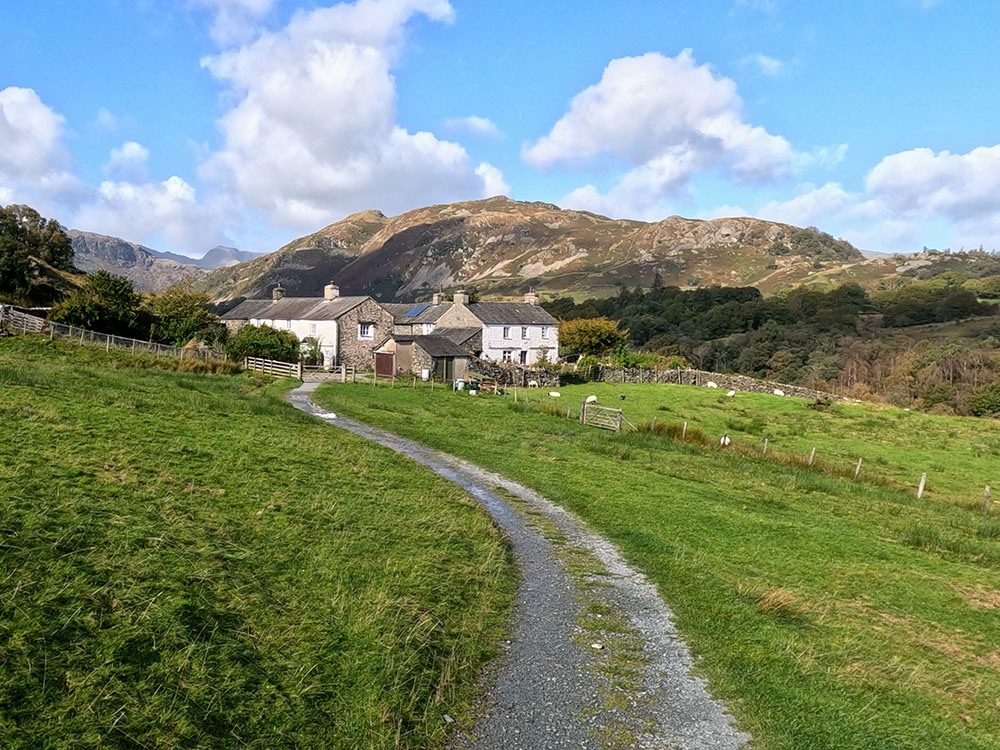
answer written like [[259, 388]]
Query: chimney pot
[[331, 291], [278, 293], [531, 297], [436, 299]]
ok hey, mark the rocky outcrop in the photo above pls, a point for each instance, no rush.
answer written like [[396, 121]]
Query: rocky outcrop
[[139, 264], [500, 246]]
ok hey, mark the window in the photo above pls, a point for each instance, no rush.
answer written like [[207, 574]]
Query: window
[[428, 328], [506, 355], [288, 324], [545, 332], [366, 330], [524, 357], [312, 329], [506, 332], [524, 332]]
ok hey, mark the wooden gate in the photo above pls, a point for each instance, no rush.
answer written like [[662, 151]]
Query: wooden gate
[[604, 417], [385, 364]]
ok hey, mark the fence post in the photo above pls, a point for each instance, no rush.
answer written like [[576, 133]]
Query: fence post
[[857, 469], [81, 337], [52, 332], [765, 446], [812, 456], [618, 427], [920, 488], [986, 498], [684, 431], [300, 369], [343, 373]]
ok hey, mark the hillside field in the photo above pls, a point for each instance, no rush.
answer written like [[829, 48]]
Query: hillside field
[[187, 561], [827, 613]]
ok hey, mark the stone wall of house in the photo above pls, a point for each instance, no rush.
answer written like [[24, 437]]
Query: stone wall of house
[[421, 360], [508, 373], [701, 378], [353, 351]]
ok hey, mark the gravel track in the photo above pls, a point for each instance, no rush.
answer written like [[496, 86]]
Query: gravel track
[[563, 681]]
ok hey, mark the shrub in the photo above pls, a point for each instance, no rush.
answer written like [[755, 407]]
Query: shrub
[[106, 304], [263, 341], [593, 336], [985, 402]]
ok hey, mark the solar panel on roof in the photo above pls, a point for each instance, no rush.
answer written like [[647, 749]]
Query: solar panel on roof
[[415, 310]]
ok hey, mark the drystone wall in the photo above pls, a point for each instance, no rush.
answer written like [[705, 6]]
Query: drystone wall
[[701, 378], [508, 373]]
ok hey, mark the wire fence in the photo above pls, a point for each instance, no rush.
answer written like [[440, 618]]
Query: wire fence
[[16, 321]]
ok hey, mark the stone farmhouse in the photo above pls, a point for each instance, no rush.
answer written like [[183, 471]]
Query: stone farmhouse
[[437, 338], [347, 328]]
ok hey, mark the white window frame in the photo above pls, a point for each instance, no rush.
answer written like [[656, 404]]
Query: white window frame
[[506, 357], [361, 331], [524, 357], [524, 332], [288, 325], [545, 332], [506, 332], [312, 329]]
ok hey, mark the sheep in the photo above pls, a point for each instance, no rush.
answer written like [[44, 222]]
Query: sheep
[[731, 394], [554, 394], [778, 392], [725, 440], [711, 384], [532, 383], [591, 399]]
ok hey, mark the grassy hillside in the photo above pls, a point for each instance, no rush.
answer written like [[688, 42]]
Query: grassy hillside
[[828, 613], [186, 561]]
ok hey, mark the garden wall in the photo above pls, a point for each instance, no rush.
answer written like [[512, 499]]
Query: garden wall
[[700, 378]]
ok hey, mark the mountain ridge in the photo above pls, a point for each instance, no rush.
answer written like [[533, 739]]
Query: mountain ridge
[[501, 246]]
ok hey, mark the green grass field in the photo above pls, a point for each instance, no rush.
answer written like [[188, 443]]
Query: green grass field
[[188, 562], [827, 613]]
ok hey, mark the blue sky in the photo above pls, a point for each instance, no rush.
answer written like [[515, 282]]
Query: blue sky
[[185, 124]]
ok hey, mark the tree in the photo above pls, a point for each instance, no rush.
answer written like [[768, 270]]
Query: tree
[[107, 304], [181, 316], [985, 402], [594, 336], [39, 237], [263, 341]]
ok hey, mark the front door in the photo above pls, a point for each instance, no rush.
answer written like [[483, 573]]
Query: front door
[[385, 365]]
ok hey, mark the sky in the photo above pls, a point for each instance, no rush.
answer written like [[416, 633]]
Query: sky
[[183, 124]]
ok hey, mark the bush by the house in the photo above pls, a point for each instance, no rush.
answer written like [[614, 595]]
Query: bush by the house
[[263, 341], [181, 316]]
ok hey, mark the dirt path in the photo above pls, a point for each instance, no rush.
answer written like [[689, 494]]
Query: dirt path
[[594, 660]]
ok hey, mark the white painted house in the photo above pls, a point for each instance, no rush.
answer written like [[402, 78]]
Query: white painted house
[[347, 328], [511, 331]]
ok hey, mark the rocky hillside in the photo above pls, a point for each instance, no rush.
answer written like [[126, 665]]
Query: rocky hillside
[[147, 271], [501, 246], [219, 256]]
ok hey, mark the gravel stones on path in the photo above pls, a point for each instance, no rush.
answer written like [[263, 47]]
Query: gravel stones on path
[[593, 659]]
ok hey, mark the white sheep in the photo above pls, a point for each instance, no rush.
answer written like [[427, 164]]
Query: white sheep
[[725, 440], [778, 392], [554, 394], [711, 384], [731, 394], [532, 383], [591, 399]]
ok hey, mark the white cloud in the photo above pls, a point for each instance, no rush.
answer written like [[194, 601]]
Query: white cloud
[[235, 21], [493, 181], [31, 134], [313, 135], [669, 119], [769, 66], [106, 121], [168, 210], [128, 162], [473, 124]]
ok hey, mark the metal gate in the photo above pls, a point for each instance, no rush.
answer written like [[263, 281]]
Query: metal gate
[[385, 364]]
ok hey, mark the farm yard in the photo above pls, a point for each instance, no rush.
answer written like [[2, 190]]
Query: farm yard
[[827, 612], [187, 561]]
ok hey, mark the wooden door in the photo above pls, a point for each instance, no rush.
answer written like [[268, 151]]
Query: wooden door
[[385, 364]]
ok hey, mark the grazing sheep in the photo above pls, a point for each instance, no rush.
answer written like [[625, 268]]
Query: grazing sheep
[[554, 394], [731, 394], [591, 399], [532, 383], [725, 440], [711, 384], [778, 392]]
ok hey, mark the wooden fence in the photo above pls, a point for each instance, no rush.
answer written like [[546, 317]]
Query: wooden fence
[[604, 417], [273, 367]]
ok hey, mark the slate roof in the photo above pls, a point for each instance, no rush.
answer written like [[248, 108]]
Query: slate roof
[[510, 313], [458, 335], [429, 315], [293, 308], [440, 346]]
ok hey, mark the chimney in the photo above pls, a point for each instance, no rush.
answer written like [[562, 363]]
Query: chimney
[[531, 297], [460, 297], [331, 291], [278, 293], [436, 299]]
